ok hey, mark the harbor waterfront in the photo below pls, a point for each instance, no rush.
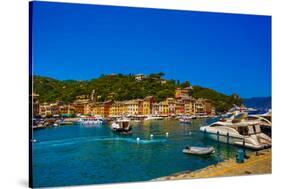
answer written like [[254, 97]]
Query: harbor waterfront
[[257, 163], [97, 142], [84, 154]]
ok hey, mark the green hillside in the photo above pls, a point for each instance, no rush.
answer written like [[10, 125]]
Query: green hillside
[[221, 101], [124, 87]]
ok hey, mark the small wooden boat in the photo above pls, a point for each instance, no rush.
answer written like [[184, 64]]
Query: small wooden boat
[[198, 150]]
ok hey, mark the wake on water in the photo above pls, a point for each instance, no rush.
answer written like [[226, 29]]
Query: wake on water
[[73, 141]]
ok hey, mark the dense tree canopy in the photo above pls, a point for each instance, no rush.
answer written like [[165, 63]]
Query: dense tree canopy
[[124, 87], [221, 101]]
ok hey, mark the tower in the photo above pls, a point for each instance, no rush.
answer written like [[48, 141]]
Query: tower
[[93, 96]]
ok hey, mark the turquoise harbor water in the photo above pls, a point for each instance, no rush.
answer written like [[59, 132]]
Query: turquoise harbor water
[[74, 155]]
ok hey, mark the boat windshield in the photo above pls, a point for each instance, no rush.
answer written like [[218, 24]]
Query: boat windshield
[[251, 118], [267, 117], [216, 125], [125, 125], [243, 130]]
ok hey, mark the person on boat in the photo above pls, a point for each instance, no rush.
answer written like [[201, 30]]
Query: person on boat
[[187, 147]]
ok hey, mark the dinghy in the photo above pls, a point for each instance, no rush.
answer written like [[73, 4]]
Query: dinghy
[[198, 150]]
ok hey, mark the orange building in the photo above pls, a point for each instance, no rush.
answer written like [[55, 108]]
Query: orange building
[[208, 107], [79, 108]]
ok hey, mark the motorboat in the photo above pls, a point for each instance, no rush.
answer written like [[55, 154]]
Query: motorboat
[[122, 126], [241, 108], [240, 130], [193, 117], [198, 150], [90, 121], [201, 116], [184, 119], [153, 117]]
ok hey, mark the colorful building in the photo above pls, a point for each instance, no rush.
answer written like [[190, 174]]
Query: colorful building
[[155, 108], [179, 109], [163, 108], [171, 106], [118, 108], [199, 106], [179, 92], [181, 104], [189, 105], [97, 109], [48, 109], [79, 108], [145, 105], [132, 107], [208, 107]]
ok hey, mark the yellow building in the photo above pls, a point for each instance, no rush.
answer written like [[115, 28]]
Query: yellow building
[[97, 109], [88, 108], [147, 105], [118, 109], [179, 93], [171, 106], [163, 108], [199, 106], [189, 106], [132, 107], [146, 109], [66, 109], [48, 109]]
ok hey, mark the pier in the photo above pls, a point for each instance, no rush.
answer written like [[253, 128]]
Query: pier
[[257, 163]]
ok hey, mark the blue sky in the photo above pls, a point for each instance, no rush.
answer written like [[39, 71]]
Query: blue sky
[[230, 53]]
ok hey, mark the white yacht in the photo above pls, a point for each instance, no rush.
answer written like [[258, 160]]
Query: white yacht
[[90, 121], [153, 117], [241, 108], [241, 130], [185, 119]]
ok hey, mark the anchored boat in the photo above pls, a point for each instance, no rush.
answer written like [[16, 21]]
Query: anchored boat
[[184, 119], [238, 130], [90, 120], [198, 150], [122, 126], [153, 117]]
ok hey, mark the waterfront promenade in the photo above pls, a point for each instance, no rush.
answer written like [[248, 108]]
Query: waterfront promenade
[[259, 163]]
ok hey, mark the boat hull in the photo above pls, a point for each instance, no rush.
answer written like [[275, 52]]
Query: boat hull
[[235, 141]]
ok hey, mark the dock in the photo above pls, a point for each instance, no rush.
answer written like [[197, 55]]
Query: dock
[[258, 163]]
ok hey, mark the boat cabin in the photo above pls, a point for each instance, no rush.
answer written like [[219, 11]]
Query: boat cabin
[[123, 124], [245, 130]]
